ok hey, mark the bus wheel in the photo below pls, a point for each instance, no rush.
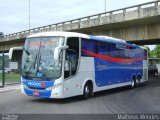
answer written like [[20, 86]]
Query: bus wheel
[[156, 73], [133, 82], [138, 82], [86, 91]]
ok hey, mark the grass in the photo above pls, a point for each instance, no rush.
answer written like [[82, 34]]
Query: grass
[[11, 76]]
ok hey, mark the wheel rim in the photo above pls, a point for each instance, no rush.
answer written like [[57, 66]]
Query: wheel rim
[[87, 90], [132, 83]]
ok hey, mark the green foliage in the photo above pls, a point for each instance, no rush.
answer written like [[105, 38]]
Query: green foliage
[[155, 53], [11, 77]]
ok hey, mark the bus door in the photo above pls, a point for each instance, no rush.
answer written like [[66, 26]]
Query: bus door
[[71, 57], [71, 66]]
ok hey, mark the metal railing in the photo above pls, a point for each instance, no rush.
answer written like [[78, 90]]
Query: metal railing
[[53, 27]]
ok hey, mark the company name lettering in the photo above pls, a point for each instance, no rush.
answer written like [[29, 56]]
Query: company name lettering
[[34, 84]]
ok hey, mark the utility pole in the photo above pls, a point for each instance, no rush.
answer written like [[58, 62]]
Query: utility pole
[[3, 70], [29, 15], [105, 6]]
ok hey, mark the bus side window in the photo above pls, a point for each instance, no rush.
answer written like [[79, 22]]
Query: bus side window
[[122, 53], [114, 52], [103, 48], [145, 54], [90, 46], [131, 52]]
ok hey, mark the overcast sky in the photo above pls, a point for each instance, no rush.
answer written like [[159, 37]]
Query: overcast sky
[[14, 13]]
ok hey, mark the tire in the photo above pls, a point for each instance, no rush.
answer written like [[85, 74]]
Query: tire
[[138, 81], [156, 73], [86, 91]]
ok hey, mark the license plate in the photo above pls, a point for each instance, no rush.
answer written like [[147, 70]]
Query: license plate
[[36, 93]]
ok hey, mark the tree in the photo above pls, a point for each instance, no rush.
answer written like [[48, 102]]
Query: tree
[[157, 51]]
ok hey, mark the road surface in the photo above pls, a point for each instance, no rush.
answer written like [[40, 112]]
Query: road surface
[[144, 99]]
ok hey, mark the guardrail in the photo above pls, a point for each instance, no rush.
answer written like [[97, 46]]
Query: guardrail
[[53, 27]]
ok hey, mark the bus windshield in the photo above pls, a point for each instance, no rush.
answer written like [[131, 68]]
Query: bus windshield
[[38, 58]]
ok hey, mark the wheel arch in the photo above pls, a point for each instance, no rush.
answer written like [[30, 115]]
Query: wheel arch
[[133, 76], [89, 81], [139, 75]]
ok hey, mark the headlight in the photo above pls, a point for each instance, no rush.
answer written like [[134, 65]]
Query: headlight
[[55, 86], [24, 86]]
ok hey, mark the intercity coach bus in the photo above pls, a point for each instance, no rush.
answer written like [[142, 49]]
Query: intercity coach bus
[[65, 64]]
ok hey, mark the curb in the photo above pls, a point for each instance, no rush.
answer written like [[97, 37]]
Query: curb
[[9, 88]]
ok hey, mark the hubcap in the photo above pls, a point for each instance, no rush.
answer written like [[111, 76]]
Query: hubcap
[[132, 83], [87, 90]]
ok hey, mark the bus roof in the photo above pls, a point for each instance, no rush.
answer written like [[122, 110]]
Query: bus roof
[[60, 33], [115, 41], [107, 37], [81, 35]]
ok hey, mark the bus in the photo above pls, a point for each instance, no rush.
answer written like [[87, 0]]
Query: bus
[[65, 64]]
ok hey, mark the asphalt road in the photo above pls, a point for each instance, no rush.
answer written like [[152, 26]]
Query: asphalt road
[[144, 99]]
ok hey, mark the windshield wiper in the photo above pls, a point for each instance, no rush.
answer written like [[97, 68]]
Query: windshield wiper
[[33, 64], [26, 51], [38, 57]]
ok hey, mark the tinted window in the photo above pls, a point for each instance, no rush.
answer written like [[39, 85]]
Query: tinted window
[[103, 48], [131, 53], [145, 54], [114, 51], [88, 45]]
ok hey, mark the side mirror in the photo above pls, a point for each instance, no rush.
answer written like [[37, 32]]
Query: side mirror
[[57, 52], [11, 51]]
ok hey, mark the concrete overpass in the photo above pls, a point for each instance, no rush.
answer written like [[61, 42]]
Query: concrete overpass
[[137, 24]]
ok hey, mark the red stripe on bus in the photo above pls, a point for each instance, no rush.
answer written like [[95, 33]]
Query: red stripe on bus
[[111, 59]]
